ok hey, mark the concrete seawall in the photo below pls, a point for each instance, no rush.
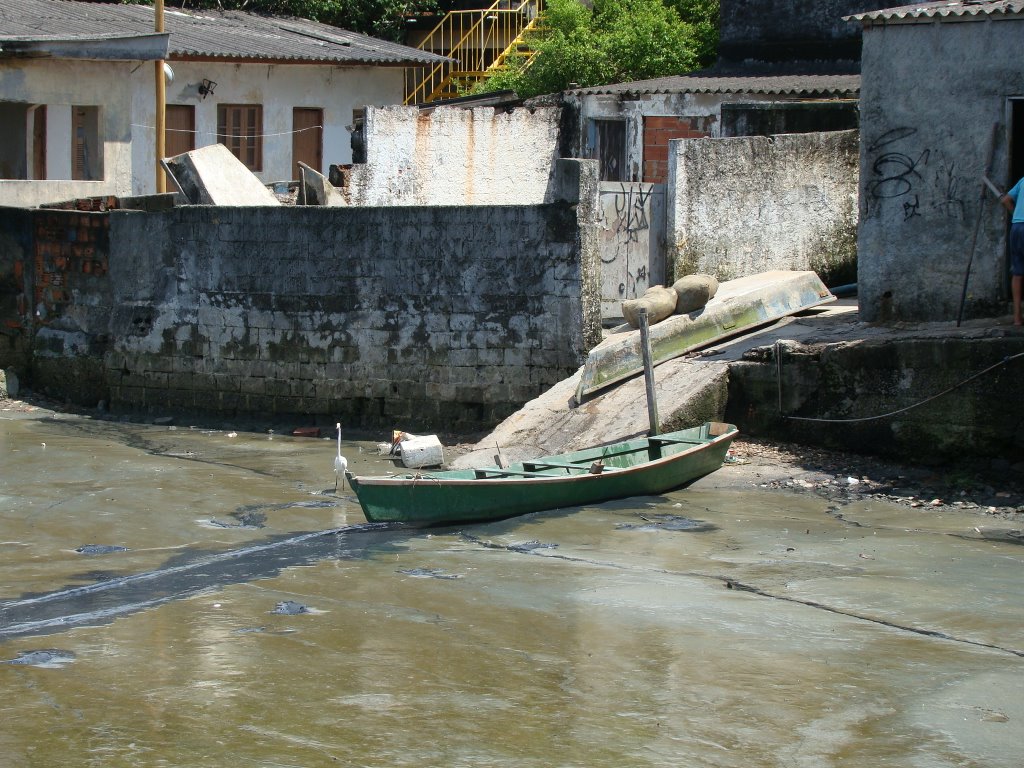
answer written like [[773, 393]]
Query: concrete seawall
[[424, 317], [837, 375]]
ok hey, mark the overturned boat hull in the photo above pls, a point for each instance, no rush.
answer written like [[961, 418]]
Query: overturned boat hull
[[738, 306]]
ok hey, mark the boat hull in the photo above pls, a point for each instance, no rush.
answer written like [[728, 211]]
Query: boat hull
[[739, 306], [636, 467]]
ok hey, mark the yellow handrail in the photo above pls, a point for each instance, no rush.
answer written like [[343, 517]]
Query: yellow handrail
[[478, 41]]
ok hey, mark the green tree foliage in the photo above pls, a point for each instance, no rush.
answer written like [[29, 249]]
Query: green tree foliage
[[616, 41]]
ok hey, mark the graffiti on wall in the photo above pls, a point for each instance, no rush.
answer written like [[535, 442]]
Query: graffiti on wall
[[632, 242], [910, 180], [631, 212]]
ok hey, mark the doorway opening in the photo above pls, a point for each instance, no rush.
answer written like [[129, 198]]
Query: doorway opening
[[1015, 167]]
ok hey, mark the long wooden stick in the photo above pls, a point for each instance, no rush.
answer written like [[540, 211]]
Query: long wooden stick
[[977, 224], [645, 349]]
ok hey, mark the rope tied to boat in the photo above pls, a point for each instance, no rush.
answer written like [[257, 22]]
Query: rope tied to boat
[[890, 414]]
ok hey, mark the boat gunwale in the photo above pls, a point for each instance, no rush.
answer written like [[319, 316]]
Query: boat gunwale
[[431, 480]]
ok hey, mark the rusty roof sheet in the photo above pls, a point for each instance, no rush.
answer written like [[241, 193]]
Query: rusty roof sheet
[[207, 34], [944, 10], [807, 86]]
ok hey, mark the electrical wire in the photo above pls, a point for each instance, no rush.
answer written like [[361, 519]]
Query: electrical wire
[[230, 135]]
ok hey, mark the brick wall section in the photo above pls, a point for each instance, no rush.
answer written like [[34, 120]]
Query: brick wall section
[[658, 132], [69, 248]]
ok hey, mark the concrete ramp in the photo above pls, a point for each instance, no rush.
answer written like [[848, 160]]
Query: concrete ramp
[[213, 176], [689, 392]]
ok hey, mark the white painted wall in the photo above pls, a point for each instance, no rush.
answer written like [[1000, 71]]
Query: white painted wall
[[279, 88], [739, 206], [453, 156], [59, 85]]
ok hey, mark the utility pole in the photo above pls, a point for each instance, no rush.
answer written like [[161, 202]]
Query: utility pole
[[161, 102]]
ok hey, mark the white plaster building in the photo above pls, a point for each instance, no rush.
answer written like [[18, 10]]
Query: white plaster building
[[77, 93]]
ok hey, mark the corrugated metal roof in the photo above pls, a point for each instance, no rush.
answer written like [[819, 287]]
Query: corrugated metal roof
[[207, 34], [778, 85], [945, 10]]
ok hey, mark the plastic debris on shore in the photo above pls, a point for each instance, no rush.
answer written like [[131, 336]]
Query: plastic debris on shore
[[413, 451]]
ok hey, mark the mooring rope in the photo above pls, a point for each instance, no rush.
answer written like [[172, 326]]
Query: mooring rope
[[968, 380]]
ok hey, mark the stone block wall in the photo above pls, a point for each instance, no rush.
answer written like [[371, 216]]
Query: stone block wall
[[942, 394], [746, 205], [447, 318]]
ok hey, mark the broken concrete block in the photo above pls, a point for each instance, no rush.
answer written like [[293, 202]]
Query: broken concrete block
[[659, 301], [213, 176], [694, 291], [317, 189]]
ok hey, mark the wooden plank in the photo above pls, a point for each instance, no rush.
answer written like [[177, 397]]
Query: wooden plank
[[483, 474]]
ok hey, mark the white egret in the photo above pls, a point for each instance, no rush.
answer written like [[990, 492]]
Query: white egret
[[340, 462]]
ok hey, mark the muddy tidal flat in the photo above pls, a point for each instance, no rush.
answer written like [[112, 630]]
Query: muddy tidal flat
[[176, 595]]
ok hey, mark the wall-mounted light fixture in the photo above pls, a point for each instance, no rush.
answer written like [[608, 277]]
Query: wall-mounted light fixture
[[206, 88]]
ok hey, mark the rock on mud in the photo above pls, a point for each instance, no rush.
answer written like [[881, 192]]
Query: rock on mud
[[99, 549]]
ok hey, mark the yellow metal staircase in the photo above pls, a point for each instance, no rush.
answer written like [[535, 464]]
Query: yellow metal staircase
[[481, 42]]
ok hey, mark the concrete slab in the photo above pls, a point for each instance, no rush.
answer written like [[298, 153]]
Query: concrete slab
[[213, 176], [318, 190]]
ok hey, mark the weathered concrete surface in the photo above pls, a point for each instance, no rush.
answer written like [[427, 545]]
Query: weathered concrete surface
[[747, 205], [454, 156], [932, 92], [834, 367], [211, 175], [688, 393], [318, 190]]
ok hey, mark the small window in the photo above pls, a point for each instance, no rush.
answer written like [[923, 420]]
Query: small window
[[86, 148], [358, 138], [610, 149], [240, 129]]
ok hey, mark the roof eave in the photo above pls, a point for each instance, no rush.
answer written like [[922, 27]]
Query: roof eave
[[149, 47]]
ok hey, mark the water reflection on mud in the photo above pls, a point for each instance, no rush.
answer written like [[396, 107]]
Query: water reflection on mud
[[182, 597]]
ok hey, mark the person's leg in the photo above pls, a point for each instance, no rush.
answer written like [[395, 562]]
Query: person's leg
[[1016, 287], [1017, 270]]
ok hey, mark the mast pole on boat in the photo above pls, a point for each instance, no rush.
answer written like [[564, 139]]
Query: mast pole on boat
[[645, 349]]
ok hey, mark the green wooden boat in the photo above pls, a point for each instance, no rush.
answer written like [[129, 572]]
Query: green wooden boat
[[637, 467]]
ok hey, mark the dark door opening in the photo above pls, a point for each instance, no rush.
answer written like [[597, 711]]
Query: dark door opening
[[1015, 163], [1015, 139]]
